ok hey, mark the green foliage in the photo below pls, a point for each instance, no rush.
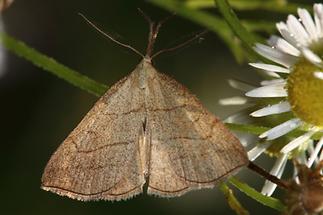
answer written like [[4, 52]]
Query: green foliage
[[257, 130], [232, 200], [49, 64], [251, 192], [207, 20], [279, 6], [244, 30]]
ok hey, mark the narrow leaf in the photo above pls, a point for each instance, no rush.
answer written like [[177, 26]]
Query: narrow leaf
[[251, 192], [38, 59], [247, 128], [257, 130], [232, 200], [205, 19], [231, 18], [268, 5]]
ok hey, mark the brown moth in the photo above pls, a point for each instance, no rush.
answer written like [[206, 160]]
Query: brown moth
[[306, 196], [146, 129]]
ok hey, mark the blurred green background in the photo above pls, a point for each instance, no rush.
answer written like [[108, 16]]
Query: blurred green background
[[38, 110]]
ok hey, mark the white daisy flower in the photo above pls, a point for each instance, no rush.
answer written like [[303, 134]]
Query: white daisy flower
[[296, 85]]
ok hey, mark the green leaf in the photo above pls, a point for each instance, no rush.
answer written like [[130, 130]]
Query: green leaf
[[232, 200], [257, 130], [264, 26], [248, 128], [279, 6], [211, 22], [251, 192], [38, 59], [245, 36]]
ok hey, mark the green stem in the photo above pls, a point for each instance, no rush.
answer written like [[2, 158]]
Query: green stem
[[268, 5], [232, 200], [211, 22], [251, 192], [38, 59], [246, 37]]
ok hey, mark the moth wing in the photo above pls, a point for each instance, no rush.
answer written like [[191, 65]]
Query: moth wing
[[100, 158], [190, 147]]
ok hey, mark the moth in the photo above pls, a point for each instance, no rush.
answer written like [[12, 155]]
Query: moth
[[147, 129]]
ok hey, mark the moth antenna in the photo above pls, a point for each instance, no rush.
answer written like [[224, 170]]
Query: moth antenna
[[153, 32], [267, 175], [180, 45], [110, 37], [146, 17]]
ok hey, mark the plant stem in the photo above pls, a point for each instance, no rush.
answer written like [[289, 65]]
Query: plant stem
[[48, 64], [251, 192], [267, 175]]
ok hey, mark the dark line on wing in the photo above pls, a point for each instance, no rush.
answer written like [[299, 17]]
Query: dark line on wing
[[213, 180], [151, 110], [168, 191], [91, 194], [101, 147], [128, 112], [196, 182], [194, 138], [187, 138]]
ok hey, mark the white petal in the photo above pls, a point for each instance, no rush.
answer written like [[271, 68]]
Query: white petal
[[239, 117], [237, 100], [296, 28], [276, 90], [288, 36], [318, 75], [272, 82], [283, 46], [315, 153], [308, 23], [297, 142], [272, 109], [239, 85], [246, 139], [271, 74], [275, 55], [311, 56], [281, 129], [270, 67], [295, 174], [310, 150], [258, 150], [318, 17], [277, 171]]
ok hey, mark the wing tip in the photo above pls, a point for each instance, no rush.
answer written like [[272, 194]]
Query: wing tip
[[91, 197], [177, 193]]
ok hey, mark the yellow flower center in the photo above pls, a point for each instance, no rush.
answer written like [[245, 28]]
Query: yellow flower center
[[305, 92]]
